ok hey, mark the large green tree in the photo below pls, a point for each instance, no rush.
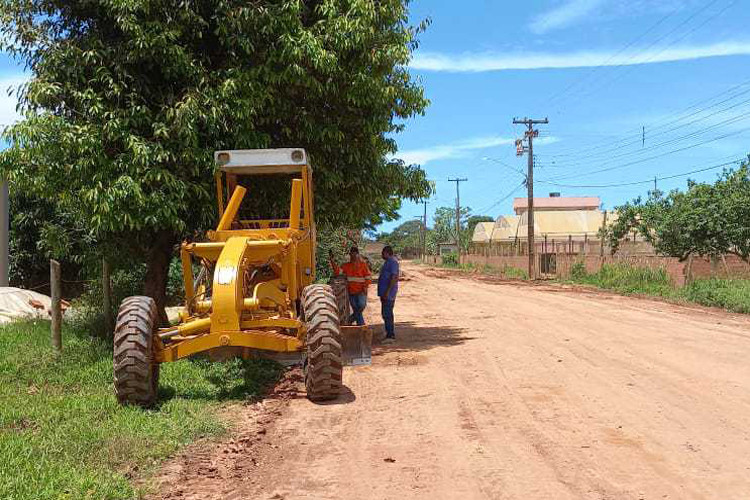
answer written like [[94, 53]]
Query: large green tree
[[405, 238], [444, 228], [707, 219], [127, 100]]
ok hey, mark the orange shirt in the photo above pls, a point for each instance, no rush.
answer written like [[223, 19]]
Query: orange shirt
[[357, 274]]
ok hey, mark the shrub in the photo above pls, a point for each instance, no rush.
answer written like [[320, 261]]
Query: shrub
[[514, 272], [88, 308], [450, 259], [733, 295], [626, 278], [578, 270]]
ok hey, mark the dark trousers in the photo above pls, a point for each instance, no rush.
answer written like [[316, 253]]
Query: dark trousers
[[358, 303], [386, 309]]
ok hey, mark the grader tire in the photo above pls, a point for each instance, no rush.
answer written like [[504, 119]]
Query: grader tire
[[136, 372], [324, 363], [340, 285]]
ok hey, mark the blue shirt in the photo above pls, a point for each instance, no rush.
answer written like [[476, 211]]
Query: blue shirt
[[387, 272]]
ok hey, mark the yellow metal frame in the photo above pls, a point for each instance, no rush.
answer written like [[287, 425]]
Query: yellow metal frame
[[247, 338], [268, 319]]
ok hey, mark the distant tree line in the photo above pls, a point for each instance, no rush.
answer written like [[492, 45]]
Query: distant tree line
[[406, 238]]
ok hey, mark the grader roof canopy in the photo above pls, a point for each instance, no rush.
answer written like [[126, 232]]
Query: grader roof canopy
[[262, 161]]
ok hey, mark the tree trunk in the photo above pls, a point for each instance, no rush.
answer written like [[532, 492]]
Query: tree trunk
[[157, 272]]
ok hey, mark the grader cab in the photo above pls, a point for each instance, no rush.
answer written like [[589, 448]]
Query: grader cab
[[249, 288]]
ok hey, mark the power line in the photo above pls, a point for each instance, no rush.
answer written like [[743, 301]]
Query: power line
[[671, 44], [616, 167], [628, 62], [508, 195], [611, 158], [647, 181], [612, 57], [517, 170], [663, 123]]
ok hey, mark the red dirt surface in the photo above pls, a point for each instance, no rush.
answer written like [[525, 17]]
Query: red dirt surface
[[509, 391]]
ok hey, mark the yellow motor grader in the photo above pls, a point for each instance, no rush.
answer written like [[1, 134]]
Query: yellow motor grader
[[254, 289]]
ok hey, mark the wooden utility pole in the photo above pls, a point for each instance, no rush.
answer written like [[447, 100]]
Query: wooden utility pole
[[107, 294], [530, 134], [54, 285], [424, 231], [458, 216], [604, 228]]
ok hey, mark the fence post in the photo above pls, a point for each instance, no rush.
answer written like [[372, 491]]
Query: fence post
[[604, 228], [54, 284], [107, 295], [689, 271]]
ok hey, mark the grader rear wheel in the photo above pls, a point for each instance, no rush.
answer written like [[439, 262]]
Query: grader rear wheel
[[339, 284], [324, 364], [136, 372]]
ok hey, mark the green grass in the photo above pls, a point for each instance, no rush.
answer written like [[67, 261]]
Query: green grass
[[62, 433], [506, 271], [732, 295], [628, 279]]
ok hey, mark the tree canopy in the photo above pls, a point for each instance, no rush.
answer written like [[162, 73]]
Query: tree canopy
[[444, 228], [706, 219], [127, 100], [405, 238]]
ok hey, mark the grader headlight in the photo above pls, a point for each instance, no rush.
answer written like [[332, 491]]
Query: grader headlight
[[222, 158]]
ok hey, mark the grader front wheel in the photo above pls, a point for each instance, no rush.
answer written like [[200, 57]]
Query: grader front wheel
[[324, 364], [136, 372]]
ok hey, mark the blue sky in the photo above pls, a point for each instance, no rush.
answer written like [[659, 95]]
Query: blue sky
[[599, 69]]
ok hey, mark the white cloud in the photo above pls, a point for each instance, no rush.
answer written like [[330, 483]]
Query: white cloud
[[459, 149], [451, 150], [479, 62], [564, 15], [8, 113]]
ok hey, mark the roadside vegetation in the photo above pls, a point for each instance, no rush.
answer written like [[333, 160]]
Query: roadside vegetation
[[706, 220], [730, 294], [63, 434], [450, 261]]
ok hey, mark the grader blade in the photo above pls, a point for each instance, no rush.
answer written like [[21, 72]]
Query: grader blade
[[356, 345]]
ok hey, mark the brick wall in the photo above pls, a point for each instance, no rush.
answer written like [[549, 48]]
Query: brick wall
[[729, 267]]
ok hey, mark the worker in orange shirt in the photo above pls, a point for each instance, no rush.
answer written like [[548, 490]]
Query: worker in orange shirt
[[358, 279]]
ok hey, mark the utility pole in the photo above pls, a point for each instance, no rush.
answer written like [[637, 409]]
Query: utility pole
[[458, 216], [424, 231], [530, 134]]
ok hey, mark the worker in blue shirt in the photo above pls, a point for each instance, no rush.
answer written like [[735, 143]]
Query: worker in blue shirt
[[387, 289]]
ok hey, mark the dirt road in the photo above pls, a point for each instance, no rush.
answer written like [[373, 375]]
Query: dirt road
[[502, 390]]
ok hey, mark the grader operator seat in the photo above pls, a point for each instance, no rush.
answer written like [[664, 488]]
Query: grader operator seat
[[254, 290]]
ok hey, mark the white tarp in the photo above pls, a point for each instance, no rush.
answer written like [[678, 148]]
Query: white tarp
[[17, 303]]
